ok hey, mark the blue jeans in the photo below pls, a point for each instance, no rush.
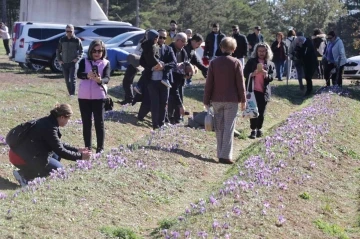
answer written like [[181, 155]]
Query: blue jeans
[[279, 69], [69, 74], [31, 171]]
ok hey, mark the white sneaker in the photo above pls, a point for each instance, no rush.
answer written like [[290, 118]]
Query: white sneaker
[[166, 83], [19, 178]]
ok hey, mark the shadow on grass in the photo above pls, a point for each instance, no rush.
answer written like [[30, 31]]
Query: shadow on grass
[[40, 93], [184, 153], [5, 184], [127, 118], [195, 91], [51, 76], [291, 92]]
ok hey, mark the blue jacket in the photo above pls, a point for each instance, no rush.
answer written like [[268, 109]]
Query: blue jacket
[[117, 58], [338, 52], [168, 57]]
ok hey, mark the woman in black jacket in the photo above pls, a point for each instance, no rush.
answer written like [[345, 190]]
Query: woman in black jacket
[[262, 54], [40, 151], [280, 52]]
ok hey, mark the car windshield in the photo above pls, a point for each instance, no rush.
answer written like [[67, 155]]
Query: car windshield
[[119, 38]]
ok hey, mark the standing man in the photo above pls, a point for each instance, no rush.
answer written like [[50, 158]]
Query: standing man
[[255, 38], [176, 107], [158, 92], [306, 54], [172, 32], [212, 42], [242, 45], [69, 51], [4, 32]]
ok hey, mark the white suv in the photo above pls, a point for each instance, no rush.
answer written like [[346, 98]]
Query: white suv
[[26, 32]]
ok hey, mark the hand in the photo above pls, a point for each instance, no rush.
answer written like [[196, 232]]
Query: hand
[[264, 72], [195, 70], [207, 107], [158, 67], [86, 155], [97, 79], [75, 60], [182, 110], [250, 47], [61, 62], [91, 75], [243, 106]]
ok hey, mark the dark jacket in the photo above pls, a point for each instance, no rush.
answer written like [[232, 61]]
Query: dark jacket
[[253, 40], [194, 59], [251, 66], [209, 44], [242, 45], [42, 141], [317, 40], [178, 79], [168, 57], [307, 55], [69, 49], [279, 53]]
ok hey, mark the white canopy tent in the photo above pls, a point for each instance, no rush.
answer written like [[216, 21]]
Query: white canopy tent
[[76, 12]]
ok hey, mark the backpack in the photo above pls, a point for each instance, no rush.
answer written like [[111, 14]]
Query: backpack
[[17, 134]]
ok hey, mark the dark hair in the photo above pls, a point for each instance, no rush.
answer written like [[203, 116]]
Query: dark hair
[[235, 26], [173, 21], [62, 110], [317, 31], [332, 33], [291, 33], [95, 43], [197, 37], [215, 25], [280, 34]]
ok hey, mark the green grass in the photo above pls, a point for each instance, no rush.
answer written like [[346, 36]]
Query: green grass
[[331, 229], [136, 202], [305, 196]]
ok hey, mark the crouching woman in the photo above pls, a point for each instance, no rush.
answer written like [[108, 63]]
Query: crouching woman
[[40, 150]]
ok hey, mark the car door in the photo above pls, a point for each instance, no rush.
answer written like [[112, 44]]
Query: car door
[[131, 43]]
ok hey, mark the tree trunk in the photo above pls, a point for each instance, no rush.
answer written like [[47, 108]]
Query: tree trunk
[[105, 6], [137, 13], [3, 12]]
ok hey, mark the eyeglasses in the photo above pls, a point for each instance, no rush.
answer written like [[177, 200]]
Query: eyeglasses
[[97, 51], [235, 30], [68, 31], [183, 41], [160, 37]]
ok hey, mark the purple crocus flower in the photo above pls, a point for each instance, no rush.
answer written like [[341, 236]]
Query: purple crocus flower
[[2, 195], [281, 219]]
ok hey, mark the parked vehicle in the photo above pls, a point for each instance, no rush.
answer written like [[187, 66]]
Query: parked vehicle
[[126, 41], [352, 67], [43, 53], [26, 32], [103, 32]]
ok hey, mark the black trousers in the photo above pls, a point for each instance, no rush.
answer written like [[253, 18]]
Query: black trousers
[[128, 80], [177, 87], [257, 123], [159, 95], [89, 108], [145, 106], [6, 45], [309, 72], [335, 80]]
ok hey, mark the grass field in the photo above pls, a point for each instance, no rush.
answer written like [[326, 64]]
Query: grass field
[[144, 184]]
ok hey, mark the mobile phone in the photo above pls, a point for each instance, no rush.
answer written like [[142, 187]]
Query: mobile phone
[[95, 70], [259, 67]]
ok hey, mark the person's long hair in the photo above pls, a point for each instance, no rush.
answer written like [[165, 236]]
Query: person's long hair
[[93, 44], [269, 53]]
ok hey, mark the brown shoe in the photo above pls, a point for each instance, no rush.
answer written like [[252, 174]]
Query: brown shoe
[[225, 161]]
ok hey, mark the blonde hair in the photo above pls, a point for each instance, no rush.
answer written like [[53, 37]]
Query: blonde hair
[[269, 53], [228, 44], [62, 110]]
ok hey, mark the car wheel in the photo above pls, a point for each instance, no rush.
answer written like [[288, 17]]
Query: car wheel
[[55, 65], [35, 67]]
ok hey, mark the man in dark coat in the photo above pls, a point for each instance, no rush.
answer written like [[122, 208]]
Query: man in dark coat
[[306, 54], [255, 38], [212, 42], [190, 49], [242, 44]]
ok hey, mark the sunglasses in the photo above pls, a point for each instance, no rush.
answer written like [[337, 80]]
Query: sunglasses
[[234, 29], [160, 37], [97, 51], [68, 31]]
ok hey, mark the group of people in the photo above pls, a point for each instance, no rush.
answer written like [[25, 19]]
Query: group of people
[[169, 61]]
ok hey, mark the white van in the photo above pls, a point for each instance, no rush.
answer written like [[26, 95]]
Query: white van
[[26, 32]]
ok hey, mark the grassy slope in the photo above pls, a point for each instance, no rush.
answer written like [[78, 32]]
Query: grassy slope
[[127, 197]]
